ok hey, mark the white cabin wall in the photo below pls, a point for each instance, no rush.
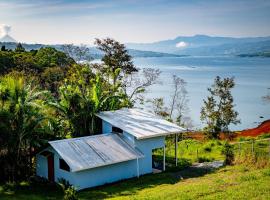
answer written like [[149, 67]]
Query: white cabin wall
[[106, 127], [60, 173], [41, 166], [146, 146], [106, 174]]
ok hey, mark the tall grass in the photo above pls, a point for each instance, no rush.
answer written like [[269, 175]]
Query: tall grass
[[193, 150], [253, 153]]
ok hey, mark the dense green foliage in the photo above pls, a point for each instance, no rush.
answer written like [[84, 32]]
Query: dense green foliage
[[34, 61], [23, 125]]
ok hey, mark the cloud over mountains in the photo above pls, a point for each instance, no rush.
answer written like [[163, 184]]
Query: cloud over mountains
[[181, 44]]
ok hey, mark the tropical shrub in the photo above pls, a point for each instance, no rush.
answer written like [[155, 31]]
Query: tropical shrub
[[70, 194], [24, 126], [227, 151]]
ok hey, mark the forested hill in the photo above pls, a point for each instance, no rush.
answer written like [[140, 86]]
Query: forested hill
[[259, 54], [92, 51]]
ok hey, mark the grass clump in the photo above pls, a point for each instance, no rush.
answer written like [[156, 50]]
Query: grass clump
[[266, 172], [248, 177], [205, 159]]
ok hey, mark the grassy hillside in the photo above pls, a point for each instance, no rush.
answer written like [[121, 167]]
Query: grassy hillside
[[233, 182]]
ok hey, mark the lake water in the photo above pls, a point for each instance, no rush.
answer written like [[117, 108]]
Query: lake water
[[252, 77]]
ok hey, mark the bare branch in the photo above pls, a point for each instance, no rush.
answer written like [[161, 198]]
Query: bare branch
[[137, 83]]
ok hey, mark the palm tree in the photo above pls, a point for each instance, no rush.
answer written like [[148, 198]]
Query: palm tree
[[23, 125]]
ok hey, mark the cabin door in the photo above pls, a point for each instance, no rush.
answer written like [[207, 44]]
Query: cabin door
[[50, 160]]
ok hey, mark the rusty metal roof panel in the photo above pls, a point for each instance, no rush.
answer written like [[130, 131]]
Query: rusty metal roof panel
[[94, 151]]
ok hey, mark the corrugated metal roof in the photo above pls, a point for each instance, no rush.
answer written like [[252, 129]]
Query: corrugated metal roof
[[94, 151], [139, 123]]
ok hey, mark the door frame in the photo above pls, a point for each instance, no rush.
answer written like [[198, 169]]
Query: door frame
[[50, 166]]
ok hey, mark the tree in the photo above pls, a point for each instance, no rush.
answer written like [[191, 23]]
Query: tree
[[177, 109], [50, 57], [218, 109], [116, 61], [179, 100], [83, 95], [19, 48], [158, 107], [52, 78], [118, 70], [3, 48], [136, 84], [23, 125], [78, 53], [228, 152], [6, 62]]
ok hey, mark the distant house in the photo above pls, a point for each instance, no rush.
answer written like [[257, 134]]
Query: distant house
[[122, 151]]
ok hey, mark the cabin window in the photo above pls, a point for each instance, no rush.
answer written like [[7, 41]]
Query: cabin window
[[117, 130], [63, 165]]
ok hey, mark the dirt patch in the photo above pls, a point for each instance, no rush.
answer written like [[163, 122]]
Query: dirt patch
[[263, 128]]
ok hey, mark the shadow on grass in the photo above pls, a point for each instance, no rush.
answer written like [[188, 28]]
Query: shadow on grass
[[193, 172], [128, 187], [133, 186], [29, 191]]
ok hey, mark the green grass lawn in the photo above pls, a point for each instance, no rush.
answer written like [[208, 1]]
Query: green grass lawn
[[232, 182], [193, 150]]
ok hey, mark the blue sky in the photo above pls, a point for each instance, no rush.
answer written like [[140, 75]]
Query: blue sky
[[70, 21]]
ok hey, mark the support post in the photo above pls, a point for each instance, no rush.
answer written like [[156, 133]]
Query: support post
[[239, 148], [138, 172], [176, 149], [252, 147], [269, 147], [164, 160]]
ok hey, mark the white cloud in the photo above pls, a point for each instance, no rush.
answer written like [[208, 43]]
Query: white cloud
[[181, 44], [4, 29]]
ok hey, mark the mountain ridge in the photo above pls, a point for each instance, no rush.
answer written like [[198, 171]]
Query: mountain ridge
[[199, 41]]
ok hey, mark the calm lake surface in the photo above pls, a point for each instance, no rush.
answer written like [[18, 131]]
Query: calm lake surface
[[252, 77]]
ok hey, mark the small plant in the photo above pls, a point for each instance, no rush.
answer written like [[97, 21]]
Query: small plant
[[69, 191], [207, 149], [70, 194], [227, 151], [204, 159], [64, 184]]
